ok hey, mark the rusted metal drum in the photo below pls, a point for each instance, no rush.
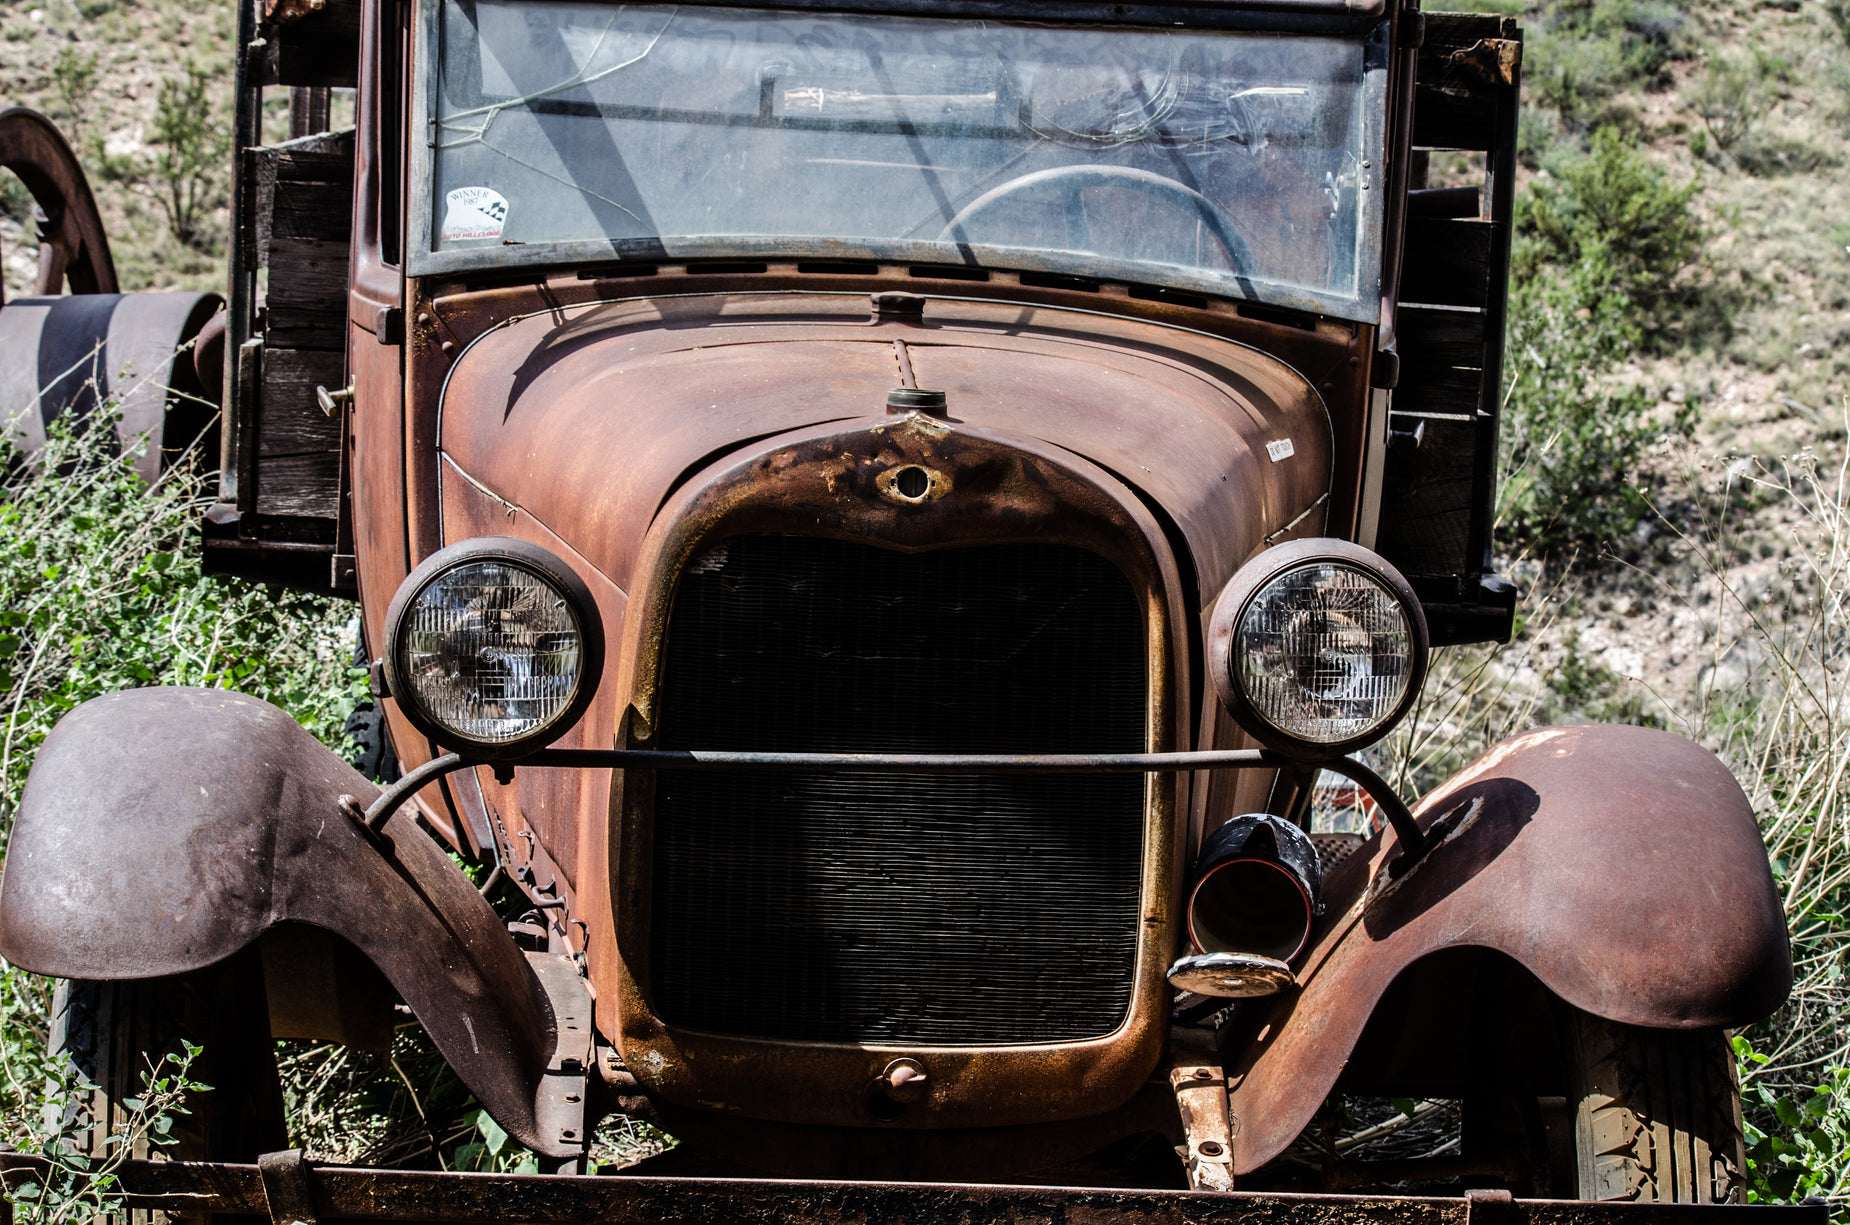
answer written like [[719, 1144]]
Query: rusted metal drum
[[131, 354]]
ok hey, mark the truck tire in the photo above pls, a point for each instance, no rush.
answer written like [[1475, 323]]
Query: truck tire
[[1657, 1113], [113, 1030], [372, 753]]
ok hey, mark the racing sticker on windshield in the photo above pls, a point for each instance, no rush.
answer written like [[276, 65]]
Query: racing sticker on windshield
[[474, 212]]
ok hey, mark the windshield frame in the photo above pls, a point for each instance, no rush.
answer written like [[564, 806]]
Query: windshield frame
[[1309, 17]]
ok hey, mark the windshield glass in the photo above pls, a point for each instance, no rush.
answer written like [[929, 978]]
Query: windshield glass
[[1239, 163]]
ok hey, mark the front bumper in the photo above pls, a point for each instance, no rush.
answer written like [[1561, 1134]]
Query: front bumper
[[285, 1188]]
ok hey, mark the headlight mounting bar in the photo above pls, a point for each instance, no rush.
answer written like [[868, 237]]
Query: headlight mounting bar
[[1413, 843]]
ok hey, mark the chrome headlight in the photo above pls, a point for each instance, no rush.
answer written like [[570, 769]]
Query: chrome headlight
[[1319, 647], [493, 647]]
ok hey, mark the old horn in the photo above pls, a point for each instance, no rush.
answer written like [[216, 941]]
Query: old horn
[[1255, 892]]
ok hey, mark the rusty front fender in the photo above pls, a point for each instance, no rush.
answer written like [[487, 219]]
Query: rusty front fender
[[163, 830], [1622, 866]]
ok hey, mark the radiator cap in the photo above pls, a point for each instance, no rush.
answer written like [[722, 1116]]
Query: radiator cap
[[917, 400]]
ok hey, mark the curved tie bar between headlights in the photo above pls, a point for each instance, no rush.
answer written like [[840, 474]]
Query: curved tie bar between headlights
[[1413, 842]]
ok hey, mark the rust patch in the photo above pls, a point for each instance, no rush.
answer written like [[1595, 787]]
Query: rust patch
[[912, 484]]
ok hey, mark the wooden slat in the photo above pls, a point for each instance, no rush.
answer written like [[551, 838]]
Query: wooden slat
[[1449, 324], [292, 422], [1454, 107], [304, 230], [318, 211], [1426, 501], [1438, 336], [304, 197], [302, 485], [1441, 359], [1447, 262], [315, 175], [314, 159], [307, 295], [1439, 389], [310, 271], [1447, 32]]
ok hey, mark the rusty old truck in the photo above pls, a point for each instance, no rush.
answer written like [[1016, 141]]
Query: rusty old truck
[[875, 515]]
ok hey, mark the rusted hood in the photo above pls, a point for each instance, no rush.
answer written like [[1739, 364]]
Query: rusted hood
[[588, 418]]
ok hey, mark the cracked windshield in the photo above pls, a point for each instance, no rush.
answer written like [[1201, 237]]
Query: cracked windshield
[[1238, 163]]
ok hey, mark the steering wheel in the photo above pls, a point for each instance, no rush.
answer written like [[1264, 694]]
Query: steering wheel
[[1071, 179]]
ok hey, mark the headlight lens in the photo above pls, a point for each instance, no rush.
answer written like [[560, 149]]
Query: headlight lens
[[1320, 647], [492, 647], [1325, 653]]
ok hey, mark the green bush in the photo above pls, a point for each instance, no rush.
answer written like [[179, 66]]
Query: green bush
[[85, 1187], [1573, 436], [1611, 212], [189, 148], [100, 590], [1839, 13], [1731, 96], [1581, 53], [75, 75], [1601, 250], [1798, 1145]]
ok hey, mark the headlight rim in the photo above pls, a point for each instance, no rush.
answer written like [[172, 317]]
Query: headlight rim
[[1255, 576], [524, 555]]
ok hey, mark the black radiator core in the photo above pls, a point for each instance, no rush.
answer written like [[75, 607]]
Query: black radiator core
[[923, 909]]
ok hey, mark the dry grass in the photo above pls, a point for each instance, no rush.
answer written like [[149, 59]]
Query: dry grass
[[1785, 729]]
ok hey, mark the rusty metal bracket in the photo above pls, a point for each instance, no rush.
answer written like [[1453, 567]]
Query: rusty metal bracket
[[393, 797], [283, 12], [1493, 61], [287, 1188], [1201, 1098], [1489, 1206], [559, 1104]]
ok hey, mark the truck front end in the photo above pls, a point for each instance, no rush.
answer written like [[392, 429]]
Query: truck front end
[[876, 518]]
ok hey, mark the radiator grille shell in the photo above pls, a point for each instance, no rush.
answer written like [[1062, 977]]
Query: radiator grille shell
[[923, 910]]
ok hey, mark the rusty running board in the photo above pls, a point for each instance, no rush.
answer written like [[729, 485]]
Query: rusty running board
[[287, 1189]]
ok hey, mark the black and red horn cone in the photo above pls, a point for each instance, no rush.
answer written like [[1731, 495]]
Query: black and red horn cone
[[1256, 884]]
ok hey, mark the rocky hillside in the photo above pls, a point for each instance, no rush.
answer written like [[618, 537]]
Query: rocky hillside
[[1739, 364], [98, 67]]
